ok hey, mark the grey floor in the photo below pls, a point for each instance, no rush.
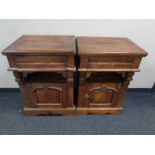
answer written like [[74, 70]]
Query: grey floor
[[138, 118]]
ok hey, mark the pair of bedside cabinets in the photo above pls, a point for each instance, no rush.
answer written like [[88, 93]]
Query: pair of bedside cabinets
[[64, 75]]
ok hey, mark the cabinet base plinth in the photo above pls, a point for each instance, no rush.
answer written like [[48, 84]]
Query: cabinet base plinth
[[72, 111], [100, 111], [45, 111]]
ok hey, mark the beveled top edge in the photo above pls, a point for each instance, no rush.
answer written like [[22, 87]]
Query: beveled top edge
[[42, 44], [87, 45]]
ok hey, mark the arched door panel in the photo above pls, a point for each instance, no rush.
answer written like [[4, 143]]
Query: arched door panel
[[48, 95]]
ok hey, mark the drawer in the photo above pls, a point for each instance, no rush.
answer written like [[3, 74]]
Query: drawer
[[48, 95], [40, 62], [109, 62]]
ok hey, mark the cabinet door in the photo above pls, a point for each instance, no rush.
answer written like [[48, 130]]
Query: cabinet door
[[98, 95], [51, 95]]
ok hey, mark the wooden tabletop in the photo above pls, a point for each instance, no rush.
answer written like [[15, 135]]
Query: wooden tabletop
[[108, 46], [42, 44]]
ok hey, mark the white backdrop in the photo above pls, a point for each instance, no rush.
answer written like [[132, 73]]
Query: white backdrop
[[141, 32]]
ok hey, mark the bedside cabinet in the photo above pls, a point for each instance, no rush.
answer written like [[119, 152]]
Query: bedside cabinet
[[61, 75], [43, 67], [106, 67]]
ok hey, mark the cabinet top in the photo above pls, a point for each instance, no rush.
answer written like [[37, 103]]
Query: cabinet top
[[108, 46], [42, 44]]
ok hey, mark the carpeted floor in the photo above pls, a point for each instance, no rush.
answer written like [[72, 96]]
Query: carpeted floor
[[138, 118]]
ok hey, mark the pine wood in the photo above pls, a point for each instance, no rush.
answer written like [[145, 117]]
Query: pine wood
[[108, 46], [43, 67], [41, 44], [106, 67], [59, 75]]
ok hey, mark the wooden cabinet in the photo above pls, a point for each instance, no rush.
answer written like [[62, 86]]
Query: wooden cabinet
[[59, 75], [106, 66], [44, 68]]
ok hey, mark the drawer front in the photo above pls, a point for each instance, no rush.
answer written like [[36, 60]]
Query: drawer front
[[48, 95], [109, 62], [40, 61], [98, 95]]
